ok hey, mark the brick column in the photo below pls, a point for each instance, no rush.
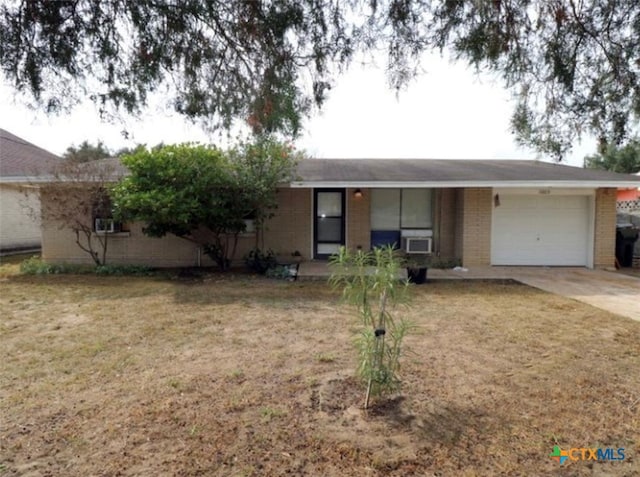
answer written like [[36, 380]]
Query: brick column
[[605, 229], [358, 220], [476, 227]]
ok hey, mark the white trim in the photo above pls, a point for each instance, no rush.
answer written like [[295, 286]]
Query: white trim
[[591, 239], [313, 219], [402, 184], [104, 225], [27, 179], [543, 191], [578, 184]]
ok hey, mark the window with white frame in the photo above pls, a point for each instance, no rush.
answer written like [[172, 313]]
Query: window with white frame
[[396, 209], [415, 209], [385, 209], [103, 221]]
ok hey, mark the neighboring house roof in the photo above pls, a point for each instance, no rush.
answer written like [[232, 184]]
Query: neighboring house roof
[[109, 169], [21, 160], [452, 173], [112, 165]]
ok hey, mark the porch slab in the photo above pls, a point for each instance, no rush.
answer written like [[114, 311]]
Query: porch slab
[[320, 270]]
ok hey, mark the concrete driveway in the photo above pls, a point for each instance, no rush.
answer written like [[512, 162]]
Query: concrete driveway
[[609, 291]]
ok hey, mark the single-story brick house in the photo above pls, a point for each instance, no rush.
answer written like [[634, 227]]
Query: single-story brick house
[[20, 163], [480, 212]]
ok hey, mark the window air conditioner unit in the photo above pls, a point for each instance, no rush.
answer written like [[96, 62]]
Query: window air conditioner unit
[[250, 226], [105, 225], [417, 245]]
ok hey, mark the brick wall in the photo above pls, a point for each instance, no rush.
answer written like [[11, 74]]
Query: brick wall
[[476, 226], [290, 229], [19, 218], [129, 247], [605, 228], [287, 231], [358, 220]]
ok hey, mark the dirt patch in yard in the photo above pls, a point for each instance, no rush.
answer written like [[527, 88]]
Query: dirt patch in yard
[[239, 375]]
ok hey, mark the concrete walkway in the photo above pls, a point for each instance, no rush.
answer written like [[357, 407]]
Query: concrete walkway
[[610, 291]]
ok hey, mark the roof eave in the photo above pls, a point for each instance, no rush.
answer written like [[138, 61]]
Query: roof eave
[[462, 184], [27, 179]]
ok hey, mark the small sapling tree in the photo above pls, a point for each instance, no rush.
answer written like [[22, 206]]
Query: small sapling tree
[[370, 282], [75, 197]]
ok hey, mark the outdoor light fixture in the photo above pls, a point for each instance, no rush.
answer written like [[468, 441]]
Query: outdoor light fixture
[[496, 200], [357, 193]]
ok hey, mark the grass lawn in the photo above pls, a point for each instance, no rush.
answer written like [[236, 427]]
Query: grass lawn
[[238, 375]]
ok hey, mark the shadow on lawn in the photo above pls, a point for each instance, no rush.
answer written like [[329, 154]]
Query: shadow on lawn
[[450, 423], [254, 290], [196, 288], [445, 425]]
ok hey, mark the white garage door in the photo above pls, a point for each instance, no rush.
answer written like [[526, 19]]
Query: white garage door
[[541, 230]]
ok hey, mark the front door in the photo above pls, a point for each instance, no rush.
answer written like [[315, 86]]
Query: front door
[[328, 230]]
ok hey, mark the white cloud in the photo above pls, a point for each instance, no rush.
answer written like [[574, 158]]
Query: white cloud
[[447, 113]]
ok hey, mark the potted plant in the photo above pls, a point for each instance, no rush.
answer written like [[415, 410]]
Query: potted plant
[[417, 266]]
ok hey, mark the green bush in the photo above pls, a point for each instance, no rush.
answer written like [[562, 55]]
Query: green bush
[[444, 263], [121, 270], [35, 266], [280, 272], [430, 261], [259, 261]]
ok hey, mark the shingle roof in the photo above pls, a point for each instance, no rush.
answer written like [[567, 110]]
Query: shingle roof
[[20, 158], [449, 173], [409, 172]]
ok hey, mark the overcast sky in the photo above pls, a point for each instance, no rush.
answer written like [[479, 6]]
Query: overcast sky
[[447, 113]]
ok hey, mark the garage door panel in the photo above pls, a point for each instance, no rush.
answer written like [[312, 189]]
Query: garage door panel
[[540, 230]]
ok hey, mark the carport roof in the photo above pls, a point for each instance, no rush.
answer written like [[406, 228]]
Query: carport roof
[[452, 173]]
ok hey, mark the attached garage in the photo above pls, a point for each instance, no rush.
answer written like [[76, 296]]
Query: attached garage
[[542, 228]]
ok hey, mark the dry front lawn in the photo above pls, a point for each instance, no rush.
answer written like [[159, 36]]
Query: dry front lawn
[[236, 375]]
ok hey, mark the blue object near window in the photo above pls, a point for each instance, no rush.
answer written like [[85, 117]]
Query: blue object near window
[[381, 238]]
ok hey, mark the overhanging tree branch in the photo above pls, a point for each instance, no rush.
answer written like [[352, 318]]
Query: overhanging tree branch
[[244, 60]]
